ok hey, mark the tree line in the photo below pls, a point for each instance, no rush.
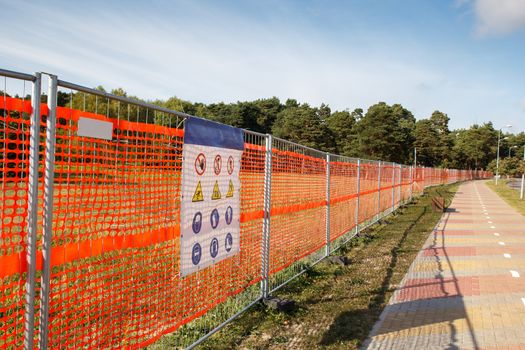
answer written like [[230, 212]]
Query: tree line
[[382, 132]]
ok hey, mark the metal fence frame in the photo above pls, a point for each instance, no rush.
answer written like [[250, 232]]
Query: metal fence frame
[[270, 142]]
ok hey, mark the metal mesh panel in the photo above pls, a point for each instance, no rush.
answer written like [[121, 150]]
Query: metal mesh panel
[[115, 257], [230, 286], [406, 183], [368, 176], [397, 185], [298, 211], [419, 180], [14, 197], [115, 226], [387, 183], [343, 196]]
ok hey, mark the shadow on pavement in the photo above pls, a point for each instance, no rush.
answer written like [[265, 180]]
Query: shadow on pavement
[[447, 297]]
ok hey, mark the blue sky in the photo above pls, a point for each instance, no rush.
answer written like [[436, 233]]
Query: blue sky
[[463, 57]]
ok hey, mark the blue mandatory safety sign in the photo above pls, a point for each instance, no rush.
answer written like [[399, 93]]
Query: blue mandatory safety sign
[[197, 222], [214, 219], [229, 215], [214, 247], [228, 242], [196, 253]]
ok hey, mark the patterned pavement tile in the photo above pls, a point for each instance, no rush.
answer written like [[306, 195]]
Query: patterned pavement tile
[[466, 288]]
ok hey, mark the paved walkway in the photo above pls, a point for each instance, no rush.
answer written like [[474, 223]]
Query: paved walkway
[[466, 288]]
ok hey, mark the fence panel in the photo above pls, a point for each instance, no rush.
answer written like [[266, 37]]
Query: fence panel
[[115, 226], [343, 198], [298, 209], [387, 183], [406, 183], [397, 185], [115, 246], [368, 178], [19, 161]]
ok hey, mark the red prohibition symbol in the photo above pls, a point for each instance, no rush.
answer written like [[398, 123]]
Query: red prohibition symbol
[[217, 164], [200, 164], [231, 165]]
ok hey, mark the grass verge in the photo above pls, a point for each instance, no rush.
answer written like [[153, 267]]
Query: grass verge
[[337, 306], [509, 195]]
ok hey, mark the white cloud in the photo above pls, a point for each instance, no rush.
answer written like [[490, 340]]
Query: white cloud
[[499, 16], [210, 54], [216, 57]]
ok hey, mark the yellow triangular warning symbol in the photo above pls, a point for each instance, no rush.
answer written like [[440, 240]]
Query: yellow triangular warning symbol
[[216, 192], [198, 196], [230, 190]]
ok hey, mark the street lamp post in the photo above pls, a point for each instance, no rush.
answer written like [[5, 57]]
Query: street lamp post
[[497, 157], [522, 176]]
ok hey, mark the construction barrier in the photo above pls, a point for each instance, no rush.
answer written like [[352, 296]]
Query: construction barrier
[[90, 236]]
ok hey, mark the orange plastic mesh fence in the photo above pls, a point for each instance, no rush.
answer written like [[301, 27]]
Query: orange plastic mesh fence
[[397, 184], [405, 183], [368, 190], [343, 195], [298, 202], [14, 161], [115, 258], [115, 249], [387, 183]]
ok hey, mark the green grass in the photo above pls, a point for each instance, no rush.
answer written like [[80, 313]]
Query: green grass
[[337, 306], [509, 195]]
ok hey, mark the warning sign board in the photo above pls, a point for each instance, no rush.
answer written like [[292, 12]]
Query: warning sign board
[[210, 202]]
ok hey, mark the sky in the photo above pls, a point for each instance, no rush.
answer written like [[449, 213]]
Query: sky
[[462, 57]]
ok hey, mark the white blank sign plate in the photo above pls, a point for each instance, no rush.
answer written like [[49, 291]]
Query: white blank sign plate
[[95, 128]]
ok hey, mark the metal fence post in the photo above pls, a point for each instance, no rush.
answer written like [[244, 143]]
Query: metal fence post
[[32, 213], [379, 191], [393, 186], [358, 196], [327, 204], [265, 258], [49, 175], [411, 183]]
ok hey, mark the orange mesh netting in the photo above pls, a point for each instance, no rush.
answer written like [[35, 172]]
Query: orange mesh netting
[[298, 202], [343, 197], [14, 160], [115, 247]]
